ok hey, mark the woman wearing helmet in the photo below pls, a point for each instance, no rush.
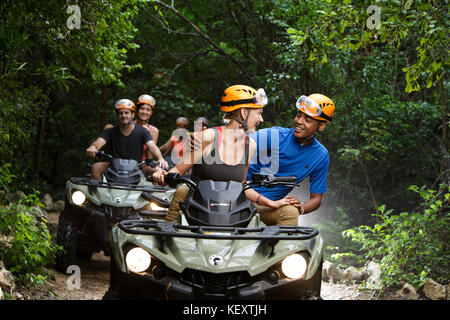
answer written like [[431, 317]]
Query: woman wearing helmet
[[225, 150], [300, 154], [145, 107]]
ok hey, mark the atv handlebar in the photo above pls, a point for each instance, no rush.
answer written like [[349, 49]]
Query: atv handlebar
[[257, 180], [173, 179], [102, 155]]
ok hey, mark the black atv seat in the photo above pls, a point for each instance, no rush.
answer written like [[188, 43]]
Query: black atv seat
[[124, 171]]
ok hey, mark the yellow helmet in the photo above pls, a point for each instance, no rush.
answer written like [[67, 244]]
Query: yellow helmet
[[317, 106], [241, 96]]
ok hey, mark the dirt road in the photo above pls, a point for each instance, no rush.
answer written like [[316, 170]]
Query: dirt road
[[95, 281]]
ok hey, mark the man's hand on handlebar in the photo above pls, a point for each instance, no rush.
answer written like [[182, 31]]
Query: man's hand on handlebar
[[91, 151], [163, 164]]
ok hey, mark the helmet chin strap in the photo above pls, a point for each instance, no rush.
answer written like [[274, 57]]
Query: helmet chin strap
[[307, 140], [243, 123]]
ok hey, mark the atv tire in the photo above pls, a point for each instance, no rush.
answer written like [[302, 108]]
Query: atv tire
[[67, 238], [116, 290]]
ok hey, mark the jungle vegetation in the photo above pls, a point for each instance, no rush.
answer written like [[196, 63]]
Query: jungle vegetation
[[385, 63]]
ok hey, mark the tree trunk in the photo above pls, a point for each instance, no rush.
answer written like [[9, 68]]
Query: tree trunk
[[444, 148], [369, 185], [103, 108], [39, 142]]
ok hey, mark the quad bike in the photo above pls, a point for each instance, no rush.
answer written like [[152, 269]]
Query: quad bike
[[92, 207], [217, 249]]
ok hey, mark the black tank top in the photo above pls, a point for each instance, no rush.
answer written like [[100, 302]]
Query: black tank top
[[213, 168]]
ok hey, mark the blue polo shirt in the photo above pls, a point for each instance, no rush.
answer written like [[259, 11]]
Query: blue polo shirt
[[280, 154]]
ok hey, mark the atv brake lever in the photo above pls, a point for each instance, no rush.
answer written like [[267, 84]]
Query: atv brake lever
[[151, 163]]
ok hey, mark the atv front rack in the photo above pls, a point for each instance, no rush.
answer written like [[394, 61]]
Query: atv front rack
[[116, 185], [167, 229]]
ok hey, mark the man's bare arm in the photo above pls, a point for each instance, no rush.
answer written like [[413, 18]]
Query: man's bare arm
[[95, 146]]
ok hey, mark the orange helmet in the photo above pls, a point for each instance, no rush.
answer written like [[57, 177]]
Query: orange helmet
[[182, 120], [146, 99], [241, 96], [125, 104], [317, 106]]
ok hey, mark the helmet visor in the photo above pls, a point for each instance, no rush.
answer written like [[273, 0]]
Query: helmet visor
[[309, 106], [260, 98]]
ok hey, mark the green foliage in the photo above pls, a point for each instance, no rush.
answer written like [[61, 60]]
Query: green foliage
[[331, 231], [31, 247], [410, 246], [385, 132]]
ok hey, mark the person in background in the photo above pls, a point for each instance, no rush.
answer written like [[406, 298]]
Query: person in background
[[145, 107], [126, 140], [204, 123], [176, 142]]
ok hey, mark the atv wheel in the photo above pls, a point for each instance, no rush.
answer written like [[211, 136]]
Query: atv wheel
[[116, 290], [67, 238]]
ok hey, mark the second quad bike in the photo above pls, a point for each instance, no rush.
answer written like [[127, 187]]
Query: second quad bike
[[217, 249], [92, 207]]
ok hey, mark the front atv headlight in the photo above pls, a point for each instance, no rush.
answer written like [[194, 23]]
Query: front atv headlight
[[294, 266], [78, 198], [138, 260]]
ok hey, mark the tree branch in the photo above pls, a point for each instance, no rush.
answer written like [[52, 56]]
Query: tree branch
[[204, 36], [227, 35], [200, 52]]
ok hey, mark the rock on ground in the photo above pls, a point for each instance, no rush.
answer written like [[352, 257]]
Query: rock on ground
[[434, 290], [6, 279], [331, 272], [352, 274], [408, 292], [373, 272]]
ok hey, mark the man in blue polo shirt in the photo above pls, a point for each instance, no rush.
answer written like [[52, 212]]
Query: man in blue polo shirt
[[292, 152]]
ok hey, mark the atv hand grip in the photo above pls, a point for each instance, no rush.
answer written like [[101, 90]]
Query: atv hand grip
[[285, 179], [102, 154], [172, 179]]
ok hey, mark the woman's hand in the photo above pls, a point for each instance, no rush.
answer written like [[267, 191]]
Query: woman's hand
[[158, 176], [278, 203]]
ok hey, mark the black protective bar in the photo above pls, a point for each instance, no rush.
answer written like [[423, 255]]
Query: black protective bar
[[167, 229], [115, 185]]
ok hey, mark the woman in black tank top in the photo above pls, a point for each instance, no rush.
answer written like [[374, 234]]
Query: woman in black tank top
[[225, 151]]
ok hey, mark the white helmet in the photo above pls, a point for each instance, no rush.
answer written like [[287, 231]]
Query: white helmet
[[146, 99], [125, 104]]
